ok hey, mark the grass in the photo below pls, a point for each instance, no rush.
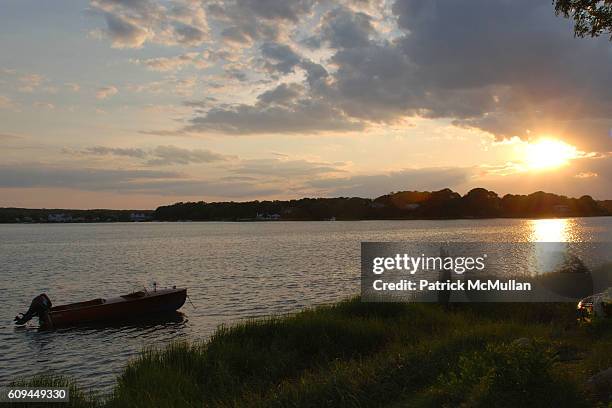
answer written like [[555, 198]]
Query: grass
[[355, 354]]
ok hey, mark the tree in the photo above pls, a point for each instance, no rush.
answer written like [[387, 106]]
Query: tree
[[591, 17]]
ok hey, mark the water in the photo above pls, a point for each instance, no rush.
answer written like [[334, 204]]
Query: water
[[233, 271]]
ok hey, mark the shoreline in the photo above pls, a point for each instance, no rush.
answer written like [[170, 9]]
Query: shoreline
[[312, 220]]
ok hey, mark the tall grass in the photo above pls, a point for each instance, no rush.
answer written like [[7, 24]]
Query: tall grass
[[355, 354]]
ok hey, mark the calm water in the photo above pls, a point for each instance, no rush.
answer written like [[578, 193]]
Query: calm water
[[233, 271]]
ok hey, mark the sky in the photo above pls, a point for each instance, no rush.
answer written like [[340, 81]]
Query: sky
[[141, 103]]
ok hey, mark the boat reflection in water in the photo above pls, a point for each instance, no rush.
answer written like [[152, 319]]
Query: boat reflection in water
[[137, 323]]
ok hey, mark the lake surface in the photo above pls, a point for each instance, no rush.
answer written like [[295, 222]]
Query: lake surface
[[233, 271]]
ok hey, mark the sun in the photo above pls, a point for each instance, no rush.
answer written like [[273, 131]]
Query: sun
[[548, 154]]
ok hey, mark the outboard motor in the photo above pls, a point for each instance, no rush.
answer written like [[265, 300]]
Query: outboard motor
[[40, 306]]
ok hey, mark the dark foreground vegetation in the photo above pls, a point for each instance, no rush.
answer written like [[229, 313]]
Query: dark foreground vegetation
[[355, 354]]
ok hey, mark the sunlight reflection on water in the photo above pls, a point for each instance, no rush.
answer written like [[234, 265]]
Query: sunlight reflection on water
[[555, 230]]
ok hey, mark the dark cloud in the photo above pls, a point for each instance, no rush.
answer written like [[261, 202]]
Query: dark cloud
[[283, 94], [247, 21], [206, 102], [279, 57], [344, 28], [302, 116], [189, 35], [521, 61], [131, 23], [237, 74], [124, 33]]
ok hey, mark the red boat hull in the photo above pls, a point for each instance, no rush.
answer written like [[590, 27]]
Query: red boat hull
[[117, 309]]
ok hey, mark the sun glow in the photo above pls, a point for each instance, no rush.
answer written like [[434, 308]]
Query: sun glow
[[549, 154]]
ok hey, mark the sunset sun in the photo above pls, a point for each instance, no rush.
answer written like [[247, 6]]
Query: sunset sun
[[548, 154]]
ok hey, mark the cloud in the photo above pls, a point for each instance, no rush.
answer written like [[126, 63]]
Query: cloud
[[277, 9], [158, 156], [151, 182], [74, 87], [28, 83], [301, 116], [183, 86], [345, 28], [115, 151], [517, 70], [6, 102], [204, 103], [507, 68], [284, 94], [163, 64], [9, 137], [164, 155], [132, 23], [279, 57], [44, 105], [527, 71], [124, 32], [245, 22], [40, 175], [106, 92]]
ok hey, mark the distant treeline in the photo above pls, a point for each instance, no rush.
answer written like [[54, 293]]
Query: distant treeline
[[443, 204], [27, 215]]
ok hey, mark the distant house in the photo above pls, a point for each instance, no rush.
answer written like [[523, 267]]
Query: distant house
[[59, 217], [138, 217], [412, 206]]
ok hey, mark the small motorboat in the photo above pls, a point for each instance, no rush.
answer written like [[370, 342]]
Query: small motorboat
[[119, 308]]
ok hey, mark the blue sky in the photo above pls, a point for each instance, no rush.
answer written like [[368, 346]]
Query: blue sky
[[138, 103]]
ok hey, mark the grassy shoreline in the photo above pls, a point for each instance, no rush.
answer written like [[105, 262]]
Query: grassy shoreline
[[358, 354]]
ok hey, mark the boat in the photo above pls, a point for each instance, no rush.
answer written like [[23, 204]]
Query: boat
[[125, 307]]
